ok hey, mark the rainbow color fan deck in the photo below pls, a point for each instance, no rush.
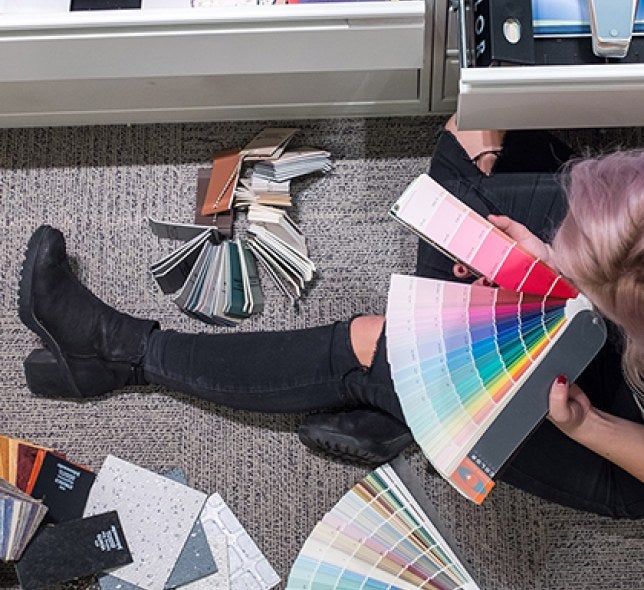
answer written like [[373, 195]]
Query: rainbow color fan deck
[[472, 366], [383, 534]]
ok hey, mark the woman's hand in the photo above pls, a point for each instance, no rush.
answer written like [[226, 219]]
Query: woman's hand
[[619, 440], [524, 237], [569, 406]]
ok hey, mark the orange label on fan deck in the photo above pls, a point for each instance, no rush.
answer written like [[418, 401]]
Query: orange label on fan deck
[[471, 480]]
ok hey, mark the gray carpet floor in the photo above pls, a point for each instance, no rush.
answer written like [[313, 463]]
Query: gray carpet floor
[[98, 184]]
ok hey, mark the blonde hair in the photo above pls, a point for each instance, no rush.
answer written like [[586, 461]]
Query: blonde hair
[[600, 246]]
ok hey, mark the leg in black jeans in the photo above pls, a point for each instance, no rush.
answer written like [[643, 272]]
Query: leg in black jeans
[[290, 371], [310, 370], [92, 348]]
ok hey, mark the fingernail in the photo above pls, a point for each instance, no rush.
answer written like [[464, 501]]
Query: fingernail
[[562, 379]]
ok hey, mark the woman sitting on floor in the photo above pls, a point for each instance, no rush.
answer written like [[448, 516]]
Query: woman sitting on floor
[[588, 455]]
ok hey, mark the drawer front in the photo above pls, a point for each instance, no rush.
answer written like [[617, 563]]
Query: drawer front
[[260, 39], [551, 96], [165, 63], [209, 98]]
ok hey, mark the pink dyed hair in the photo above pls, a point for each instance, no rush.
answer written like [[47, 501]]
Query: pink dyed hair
[[600, 245]]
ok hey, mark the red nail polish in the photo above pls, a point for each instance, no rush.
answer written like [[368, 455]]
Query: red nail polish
[[562, 379]]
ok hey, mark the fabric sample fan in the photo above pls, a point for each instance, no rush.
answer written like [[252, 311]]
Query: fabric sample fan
[[382, 535]]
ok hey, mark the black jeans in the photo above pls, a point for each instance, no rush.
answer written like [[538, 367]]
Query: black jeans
[[305, 370], [315, 369]]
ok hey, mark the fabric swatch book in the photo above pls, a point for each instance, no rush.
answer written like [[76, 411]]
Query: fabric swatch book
[[20, 517], [383, 533], [473, 365]]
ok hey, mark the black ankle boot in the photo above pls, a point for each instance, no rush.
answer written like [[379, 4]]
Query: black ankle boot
[[365, 436], [96, 348]]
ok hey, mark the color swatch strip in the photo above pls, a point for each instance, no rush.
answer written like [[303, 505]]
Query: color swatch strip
[[462, 234], [459, 352], [375, 538]]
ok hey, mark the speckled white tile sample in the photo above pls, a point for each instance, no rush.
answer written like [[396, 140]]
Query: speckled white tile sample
[[157, 515]]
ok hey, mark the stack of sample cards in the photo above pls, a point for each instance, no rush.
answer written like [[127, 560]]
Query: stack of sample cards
[[293, 163], [223, 286], [384, 533], [149, 531], [259, 191], [20, 517], [280, 248], [216, 282], [473, 365], [20, 461]]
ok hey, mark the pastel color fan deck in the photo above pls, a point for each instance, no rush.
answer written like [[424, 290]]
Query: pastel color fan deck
[[380, 536], [444, 221], [473, 365]]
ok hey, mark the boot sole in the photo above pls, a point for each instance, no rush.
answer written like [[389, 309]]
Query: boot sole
[[26, 310], [344, 447]]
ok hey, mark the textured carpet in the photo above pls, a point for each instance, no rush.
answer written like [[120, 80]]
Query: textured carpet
[[98, 184]]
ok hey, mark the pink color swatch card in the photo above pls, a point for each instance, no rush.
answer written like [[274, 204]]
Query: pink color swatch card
[[448, 224]]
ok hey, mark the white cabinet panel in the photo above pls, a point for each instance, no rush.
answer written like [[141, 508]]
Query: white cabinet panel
[[169, 62], [198, 98], [259, 39], [552, 96]]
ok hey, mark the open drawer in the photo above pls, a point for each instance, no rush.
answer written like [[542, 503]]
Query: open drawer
[[169, 61], [553, 96]]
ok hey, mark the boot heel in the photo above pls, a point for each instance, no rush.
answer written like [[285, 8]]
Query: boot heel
[[44, 376]]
